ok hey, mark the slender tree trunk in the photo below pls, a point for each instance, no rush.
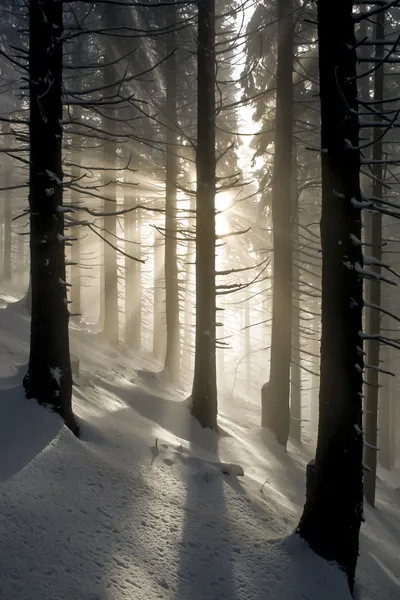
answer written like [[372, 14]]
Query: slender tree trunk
[[295, 367], [247, 344], [159, 284], [172, 356], [133, 316], [275, 410], [110, 264], [387, 409], [76, 253], [204, 392], [374, 287], [49, 378], [7, 270], [333, 511]]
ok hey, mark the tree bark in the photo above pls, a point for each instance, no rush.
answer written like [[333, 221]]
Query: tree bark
[[373, 287], [172, 356], [204, 392], [333, 511], [49, 378], [276, 411]]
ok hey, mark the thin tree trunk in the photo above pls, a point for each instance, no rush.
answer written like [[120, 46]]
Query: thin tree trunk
[[333, 511], [159, 283], [295, 367], [7, 270], [387, 410], [49, 377], [133, 316], [76, 253], [204, 392], [172, 356], [110, 264], [374, 287], [275, 408]]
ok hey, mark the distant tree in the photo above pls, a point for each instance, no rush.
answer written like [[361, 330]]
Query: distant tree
[[373, 288], [333, 511], [276, 399], [172, 355], [49, 378]]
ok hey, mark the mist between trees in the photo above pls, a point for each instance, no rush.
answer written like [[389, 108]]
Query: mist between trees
[[215, 183]]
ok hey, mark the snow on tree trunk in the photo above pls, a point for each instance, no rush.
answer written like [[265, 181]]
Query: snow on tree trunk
[[49, 378], [333, 511], [204, 392]]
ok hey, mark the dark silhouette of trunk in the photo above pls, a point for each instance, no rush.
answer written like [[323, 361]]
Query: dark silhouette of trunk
[[373, 288], [7, 270], [275, 408], [295, 369], [49, 378], [172, 356], [204, 392], [333, 511], [133, 316]]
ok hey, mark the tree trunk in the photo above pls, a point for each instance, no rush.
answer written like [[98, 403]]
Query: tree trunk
[[295, 367], [49, 378], [159, 281], [7, 270], [373, 325], [76, 253], [110, 264], [133, 316], [276, 411], [387, 408], [204, 392], [333, 511], [172, 356]]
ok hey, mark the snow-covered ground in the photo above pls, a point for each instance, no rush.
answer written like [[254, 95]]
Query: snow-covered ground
[[146, 505]]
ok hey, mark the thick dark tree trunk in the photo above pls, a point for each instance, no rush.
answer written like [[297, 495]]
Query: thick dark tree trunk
[[49, 378], [172, 356], [373, 324], [333, 511], [204, 392], [276, 411]]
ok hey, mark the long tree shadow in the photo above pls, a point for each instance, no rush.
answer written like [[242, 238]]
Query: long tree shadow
[[207, 548]]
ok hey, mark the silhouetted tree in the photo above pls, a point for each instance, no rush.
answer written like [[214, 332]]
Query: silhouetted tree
[[333, 511], [49, 378]]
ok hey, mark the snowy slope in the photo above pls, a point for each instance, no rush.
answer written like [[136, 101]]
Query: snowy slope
[[117, 516]]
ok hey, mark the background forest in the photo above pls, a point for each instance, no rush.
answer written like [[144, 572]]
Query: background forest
[[199, 262]]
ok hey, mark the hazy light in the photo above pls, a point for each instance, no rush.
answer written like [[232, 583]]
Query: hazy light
[[223, 201]]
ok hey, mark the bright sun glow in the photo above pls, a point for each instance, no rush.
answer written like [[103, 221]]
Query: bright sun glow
[[223, 201]]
